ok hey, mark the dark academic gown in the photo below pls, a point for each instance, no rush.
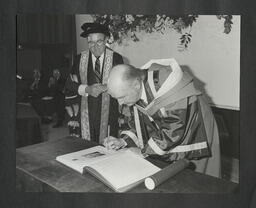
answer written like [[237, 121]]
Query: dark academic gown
[[95, 104]]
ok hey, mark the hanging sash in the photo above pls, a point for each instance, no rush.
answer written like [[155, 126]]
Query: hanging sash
[[105, 96], [83, 68], [139, 142]]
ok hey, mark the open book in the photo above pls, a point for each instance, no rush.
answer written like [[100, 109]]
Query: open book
[[120, 170]]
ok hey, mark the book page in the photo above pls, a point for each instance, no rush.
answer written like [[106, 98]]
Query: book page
[[124, 168], [77, 160]]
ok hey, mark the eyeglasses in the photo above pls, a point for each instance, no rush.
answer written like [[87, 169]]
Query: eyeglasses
[[98, 42]]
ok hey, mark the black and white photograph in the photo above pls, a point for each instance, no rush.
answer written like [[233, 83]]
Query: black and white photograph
[[152, 100]]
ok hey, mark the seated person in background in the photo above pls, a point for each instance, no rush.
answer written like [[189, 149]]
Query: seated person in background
[[170, 123], [21, 89], [38, 90], [56, 88], [72, 107], [36, 85]]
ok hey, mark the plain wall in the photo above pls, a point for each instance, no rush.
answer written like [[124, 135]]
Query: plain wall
[[213, 57]]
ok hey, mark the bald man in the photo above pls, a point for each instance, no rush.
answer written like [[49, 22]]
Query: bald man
[[170, 119]]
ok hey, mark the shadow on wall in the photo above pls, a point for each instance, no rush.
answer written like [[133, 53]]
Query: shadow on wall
[[200, 85], [126, 60]]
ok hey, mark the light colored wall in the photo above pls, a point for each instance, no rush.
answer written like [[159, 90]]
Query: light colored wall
[[213, 56], [81, 42]]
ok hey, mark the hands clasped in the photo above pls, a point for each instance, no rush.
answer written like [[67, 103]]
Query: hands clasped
[[96, 89]]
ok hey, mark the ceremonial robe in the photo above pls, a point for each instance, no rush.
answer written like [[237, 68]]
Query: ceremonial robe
[[174, 121], [95, 113]]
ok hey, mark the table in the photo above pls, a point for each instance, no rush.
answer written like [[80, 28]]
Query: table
[[38, 171], [28, 125]]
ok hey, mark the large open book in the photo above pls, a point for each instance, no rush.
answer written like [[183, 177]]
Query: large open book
[[120, 170]]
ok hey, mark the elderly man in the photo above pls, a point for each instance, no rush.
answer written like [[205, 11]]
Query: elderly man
[[88, 79], [170, 121]]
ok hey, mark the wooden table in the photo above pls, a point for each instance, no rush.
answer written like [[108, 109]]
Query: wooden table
[[37, 170], [28, 126]]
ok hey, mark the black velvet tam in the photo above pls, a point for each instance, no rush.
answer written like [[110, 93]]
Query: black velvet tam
[[89, 28]]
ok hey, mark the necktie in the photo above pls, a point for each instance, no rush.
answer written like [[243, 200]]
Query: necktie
[[97, 69]]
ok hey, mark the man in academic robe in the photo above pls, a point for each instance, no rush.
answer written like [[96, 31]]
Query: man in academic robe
[[88, 79], [170, 118]]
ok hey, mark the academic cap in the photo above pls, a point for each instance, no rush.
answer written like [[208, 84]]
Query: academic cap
[[89, 28]]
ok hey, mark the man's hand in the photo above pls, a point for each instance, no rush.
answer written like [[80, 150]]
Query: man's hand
[[114, 143], [96, 89]]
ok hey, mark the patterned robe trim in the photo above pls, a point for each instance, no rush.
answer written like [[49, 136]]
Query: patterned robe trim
[[83, 68], [177, 149], [105, 96]]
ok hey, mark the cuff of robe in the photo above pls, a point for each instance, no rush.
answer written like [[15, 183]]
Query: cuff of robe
[[129, 142], [153, 145], [81, 90]]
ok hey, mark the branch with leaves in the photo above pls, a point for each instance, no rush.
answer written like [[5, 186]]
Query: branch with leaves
[[124, 27]]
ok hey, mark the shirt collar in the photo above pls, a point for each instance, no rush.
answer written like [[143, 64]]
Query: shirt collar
[[101, 56]]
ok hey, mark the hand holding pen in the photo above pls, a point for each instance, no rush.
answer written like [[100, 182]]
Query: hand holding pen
[[113, 143]]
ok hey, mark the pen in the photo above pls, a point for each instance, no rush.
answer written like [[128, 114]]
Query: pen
[[106, 140], [108, 131]]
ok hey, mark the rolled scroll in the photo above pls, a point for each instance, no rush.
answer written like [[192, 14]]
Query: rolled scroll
[[164, 174]]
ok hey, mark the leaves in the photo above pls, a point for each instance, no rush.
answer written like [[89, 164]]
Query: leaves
[[128, 26], [227, 22], [185, 39]]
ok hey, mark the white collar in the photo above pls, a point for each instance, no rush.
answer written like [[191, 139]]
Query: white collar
[[172, 80], [174, 77], [143, 94]]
